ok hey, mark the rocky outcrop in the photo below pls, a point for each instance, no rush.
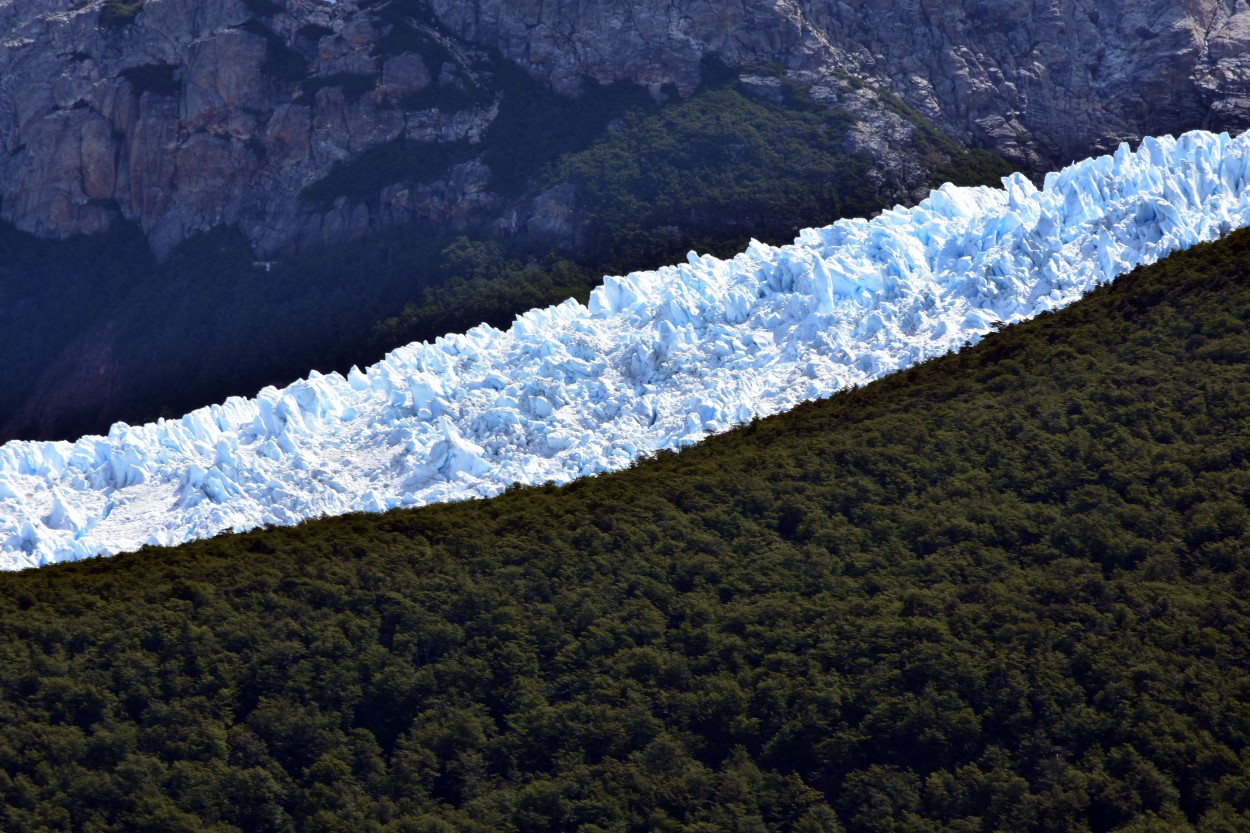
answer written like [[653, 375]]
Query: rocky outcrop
[[197, 114], [1042, 81], [188, 114]]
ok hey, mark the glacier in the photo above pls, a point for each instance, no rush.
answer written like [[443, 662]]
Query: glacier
[[656, 360]]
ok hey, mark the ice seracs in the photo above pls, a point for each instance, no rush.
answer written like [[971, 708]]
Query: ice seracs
[[656, 360]]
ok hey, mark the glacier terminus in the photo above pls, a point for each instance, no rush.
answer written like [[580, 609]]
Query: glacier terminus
[[656, 360]]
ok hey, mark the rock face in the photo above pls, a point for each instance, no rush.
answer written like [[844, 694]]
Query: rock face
[[188, 114], [1042, 81]]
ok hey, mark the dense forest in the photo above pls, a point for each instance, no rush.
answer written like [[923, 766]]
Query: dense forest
[[120, 336], [1006, 590]]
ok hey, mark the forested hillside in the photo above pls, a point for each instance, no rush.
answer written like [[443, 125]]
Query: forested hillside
[[1005, 590]]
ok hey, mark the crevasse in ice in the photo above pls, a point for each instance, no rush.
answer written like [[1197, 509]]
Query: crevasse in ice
[[656, 360]]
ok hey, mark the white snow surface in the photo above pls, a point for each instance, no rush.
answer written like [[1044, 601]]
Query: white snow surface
[[658, 359]]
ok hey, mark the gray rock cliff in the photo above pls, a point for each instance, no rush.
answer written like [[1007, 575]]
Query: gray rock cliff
[[1041, 81], [192, 115], [183, 115]]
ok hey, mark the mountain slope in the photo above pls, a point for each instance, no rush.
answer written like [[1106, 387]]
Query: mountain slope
[[314, 123], [1042, 81], [398, 125], [654, 360], [1004, 590], [303, 125], [183, 116]]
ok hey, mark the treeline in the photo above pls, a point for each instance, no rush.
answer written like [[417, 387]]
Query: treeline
[[96, 331], [1006, 590]]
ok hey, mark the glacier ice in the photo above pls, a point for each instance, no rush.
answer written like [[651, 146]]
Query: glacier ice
[[657, 359]]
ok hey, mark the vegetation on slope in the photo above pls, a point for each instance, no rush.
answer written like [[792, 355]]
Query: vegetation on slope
[[720, 167], [1002, 591], [119, 12], [653, 182]]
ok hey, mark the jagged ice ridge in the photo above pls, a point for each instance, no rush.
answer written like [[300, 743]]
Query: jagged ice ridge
[[658, 359]]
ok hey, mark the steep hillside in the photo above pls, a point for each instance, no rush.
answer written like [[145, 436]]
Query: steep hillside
[[184, 116], [1042, 81], [312, 123], [1004, 590]]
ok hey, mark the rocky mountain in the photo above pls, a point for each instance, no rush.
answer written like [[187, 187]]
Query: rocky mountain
[[1034, 79], [183, 116]]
